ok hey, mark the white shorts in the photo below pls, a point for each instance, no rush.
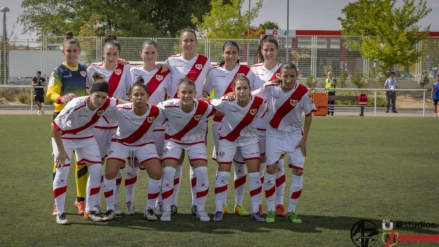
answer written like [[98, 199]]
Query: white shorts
[[262, 141], [280, 142], [87, 150], [159, 140], [227, 150], [216, 126], [118, 151], [172, 151], [103, 138]]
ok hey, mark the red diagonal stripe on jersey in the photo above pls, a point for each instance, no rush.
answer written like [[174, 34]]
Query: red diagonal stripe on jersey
[[220, 189], [242, 70], [167, 194], [114, 80], [280, 180], [248, 118], [153, 196], [194, 73], [202, 193], [286, 107], [270, 192], [154, 83], [296, 194], [176, 181], [93, 120], [273, 78], [108, 193], [130, 181], [94, 191], [240, 181], [136, 135], [59, 191], [256, 191], [201, 109]]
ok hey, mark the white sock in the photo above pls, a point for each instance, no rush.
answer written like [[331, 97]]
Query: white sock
[[118, 182], [98, 203], [93, 186], [130, 183], [295, 192], [270, 190], [193, 179], [255, 190], [240, 177], [222, 180], [109, 192], [177, 178], [202, 187], [153, 192], [60, 187], [159, 198], [167, 186], [261, 175], [280, 182]]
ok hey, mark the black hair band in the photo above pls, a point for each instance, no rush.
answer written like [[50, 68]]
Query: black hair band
[[99, 87]]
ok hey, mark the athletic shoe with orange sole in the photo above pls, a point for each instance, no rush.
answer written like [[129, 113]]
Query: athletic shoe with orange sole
[[261, 211], [80, 206], [55, 211], [280, 210]]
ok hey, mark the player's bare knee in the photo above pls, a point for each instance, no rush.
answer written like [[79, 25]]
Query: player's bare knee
[[297, 172], [271, 169]]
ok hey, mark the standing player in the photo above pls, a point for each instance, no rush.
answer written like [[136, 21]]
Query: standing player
[[72, 131], [266, 71], [286, 100], [134, 139], [435, 94], [238, 131], [186, 130], [39, 92], [193, 66], [66, 82], [118, 77], [221, 79]]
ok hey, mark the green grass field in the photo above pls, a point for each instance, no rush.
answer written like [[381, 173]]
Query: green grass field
[[357, 168]]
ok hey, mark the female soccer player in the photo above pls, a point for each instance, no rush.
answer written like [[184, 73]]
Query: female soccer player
[[286, 100], [221, 79], [72, 131], [118, 77], [267, 71], [187, 125], [66, 82], [193, 66], [239, 131], [134, 139]]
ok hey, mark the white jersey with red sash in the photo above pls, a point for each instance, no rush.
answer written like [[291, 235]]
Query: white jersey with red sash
[[284, 111], [238, 122], [76, 120], [221, 80], [119, 85], [195, 69], [186, 128], [136, 130], [157, 82]]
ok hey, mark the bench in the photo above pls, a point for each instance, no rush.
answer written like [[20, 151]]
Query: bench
[[352, 98]]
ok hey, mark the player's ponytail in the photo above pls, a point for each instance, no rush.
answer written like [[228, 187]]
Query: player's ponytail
[[232, 43], [70, 39], [265, 39], [111, 40]]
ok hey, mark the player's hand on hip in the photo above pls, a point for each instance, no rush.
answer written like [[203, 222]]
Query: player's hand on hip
[[61, 159], [302, 146]]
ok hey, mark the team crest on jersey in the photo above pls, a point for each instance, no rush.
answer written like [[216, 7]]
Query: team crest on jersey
[[118, 71], [221, 154], [150, 119], [83, 73], [100, 113], [253, 111], [159, 77], [293, 102], [198, 66], [198, 117]]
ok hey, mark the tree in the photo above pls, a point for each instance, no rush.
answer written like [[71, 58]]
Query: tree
[[358, 79], [269, 25], [343, 78], [388, 34]]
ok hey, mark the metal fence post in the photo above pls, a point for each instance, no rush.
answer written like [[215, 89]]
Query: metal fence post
[[31, 101], [423, 104], [375, 104]]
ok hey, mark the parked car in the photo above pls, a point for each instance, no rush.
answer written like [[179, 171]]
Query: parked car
[[21, 80]]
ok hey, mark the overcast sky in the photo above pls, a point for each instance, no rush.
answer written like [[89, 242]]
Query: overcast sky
[[304, 14]]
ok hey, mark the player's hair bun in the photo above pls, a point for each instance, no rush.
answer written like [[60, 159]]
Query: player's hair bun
[[110, 37], [140, 80], [98, 78], [69, 35]]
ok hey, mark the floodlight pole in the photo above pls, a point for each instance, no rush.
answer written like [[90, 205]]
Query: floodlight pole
[[287, 59], [4, 10]]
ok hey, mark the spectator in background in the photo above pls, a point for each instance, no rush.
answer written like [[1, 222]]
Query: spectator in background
[[330, 85], [39, 92], [435, 94], [391, 95]]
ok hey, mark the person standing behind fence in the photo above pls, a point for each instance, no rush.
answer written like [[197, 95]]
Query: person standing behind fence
[[330, 85], [391, 95], [435, 94], [39, 92]]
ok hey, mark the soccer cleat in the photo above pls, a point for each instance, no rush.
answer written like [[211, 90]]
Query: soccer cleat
[[80, 206], [261, 211], [291, 216], [61, 219], [240, 210], [109, 215], [159, 208], [270, 217], [97, 209], [117, 210], [203, 216], [130, 208], [174, 209], [149, 215], [218, 216], [194, 210], [55, 211], [42, 111], [225, 209], [166, 216], [93, 216], [280, 210], [257, 217]]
